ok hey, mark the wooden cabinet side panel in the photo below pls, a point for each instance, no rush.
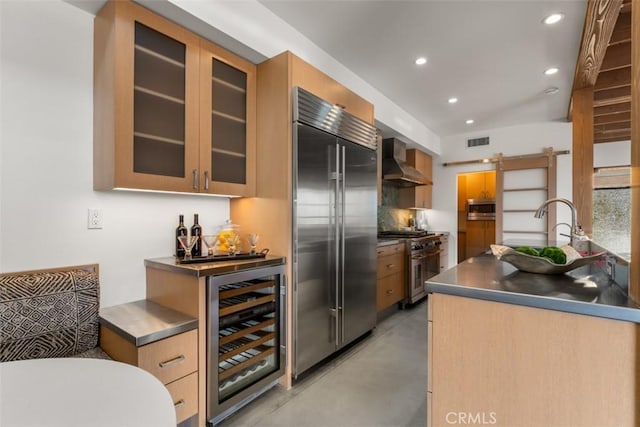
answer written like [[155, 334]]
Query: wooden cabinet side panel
[[531, 367], [270, 213], [117, 347], [104, 97], [186, 294]]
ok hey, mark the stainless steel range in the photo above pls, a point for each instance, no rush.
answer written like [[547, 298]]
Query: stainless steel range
[[423, 260]]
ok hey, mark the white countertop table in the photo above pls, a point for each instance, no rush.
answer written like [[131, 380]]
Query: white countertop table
[[82, 393]]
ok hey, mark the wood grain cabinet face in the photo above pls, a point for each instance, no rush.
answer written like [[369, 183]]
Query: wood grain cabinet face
[[148, 133], [390, 275], [173, 360], [421, 196], [323, 86]]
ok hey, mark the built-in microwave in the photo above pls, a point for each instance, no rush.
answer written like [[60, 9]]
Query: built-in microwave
[[481, 209]]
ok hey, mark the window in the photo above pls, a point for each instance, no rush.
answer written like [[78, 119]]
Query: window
[[612, 209]]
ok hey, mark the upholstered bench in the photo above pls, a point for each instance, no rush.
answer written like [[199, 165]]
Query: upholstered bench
[[50, 313]]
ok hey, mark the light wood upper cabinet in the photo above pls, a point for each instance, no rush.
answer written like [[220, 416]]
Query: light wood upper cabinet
[[227, 122], [481, 185], [419, 197], [323, 86], [149, 93]]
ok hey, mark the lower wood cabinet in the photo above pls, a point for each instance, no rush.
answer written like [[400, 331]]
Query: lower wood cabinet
[[507, 365], [390, 275], [479, 235], [173, 360], [156, 339]]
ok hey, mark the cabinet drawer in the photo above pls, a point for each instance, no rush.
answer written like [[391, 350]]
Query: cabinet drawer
[[390, 289], [170, 358], [390, 250], [392, 264], [184, 393]]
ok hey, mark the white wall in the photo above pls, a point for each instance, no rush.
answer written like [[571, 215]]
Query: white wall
[[510, 141], [46, 161]]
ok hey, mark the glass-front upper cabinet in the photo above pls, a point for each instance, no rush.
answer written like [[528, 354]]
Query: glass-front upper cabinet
[[146, 69], [172, 112], [227, 120]]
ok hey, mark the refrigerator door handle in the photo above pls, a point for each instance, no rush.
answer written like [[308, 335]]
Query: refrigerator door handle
[[337, 246], [342, 239]]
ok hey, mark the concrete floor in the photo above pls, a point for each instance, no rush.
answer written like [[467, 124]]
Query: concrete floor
[[381, 381]]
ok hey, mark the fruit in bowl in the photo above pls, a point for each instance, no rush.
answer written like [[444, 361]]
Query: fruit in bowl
[[553, 253], [549, 260]]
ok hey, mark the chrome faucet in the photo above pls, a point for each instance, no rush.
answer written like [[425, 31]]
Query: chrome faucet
[[576, 231]]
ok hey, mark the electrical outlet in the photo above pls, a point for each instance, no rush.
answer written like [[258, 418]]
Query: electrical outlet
[[94, 219]]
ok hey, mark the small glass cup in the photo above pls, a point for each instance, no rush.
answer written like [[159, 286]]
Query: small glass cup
[[252, 239], [187, 242], [211, 241], [232, 242]]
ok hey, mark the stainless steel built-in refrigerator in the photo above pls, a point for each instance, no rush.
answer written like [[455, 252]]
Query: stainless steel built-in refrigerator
[[334, 228]]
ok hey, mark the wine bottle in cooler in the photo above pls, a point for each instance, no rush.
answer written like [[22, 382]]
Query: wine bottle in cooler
[[196, 230], [180, 231]]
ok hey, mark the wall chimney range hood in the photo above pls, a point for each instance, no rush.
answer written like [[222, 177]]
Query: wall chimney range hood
[[395, 168]]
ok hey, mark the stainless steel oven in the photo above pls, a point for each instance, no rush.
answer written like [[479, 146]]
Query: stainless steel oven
[[424, 263], [481, 209]]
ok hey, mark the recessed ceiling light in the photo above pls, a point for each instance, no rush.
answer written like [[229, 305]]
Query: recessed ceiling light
[[453, 100], [421, 61], [469, 122], [554, 18], [551, 90], [550, 71]]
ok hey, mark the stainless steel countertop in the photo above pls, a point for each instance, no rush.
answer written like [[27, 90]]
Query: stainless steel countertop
[[213, 268], [143, 322], [587, 290]]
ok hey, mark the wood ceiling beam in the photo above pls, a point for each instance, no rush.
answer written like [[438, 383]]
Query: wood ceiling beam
[[620, 135], [617, 56], [626, 7], [612, 118], [599, 23], [605, 140], [612, 127], [622, 30], [620, 107], [612, 96], [613, 79], [600, 20]]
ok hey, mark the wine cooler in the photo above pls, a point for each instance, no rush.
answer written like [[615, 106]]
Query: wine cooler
[[246, 331]]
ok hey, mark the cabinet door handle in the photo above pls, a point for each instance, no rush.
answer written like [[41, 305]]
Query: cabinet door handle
[[390, 265], [195, 179], [170, 362], [179, 403], [390, 291], [342, 107], [206, 180]]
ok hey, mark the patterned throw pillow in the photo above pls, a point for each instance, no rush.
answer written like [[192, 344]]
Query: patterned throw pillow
[[48, 314]]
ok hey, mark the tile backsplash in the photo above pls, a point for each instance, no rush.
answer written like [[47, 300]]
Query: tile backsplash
[[392, 218]]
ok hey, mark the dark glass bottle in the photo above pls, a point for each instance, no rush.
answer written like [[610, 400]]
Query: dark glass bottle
[[180, 231], [196, 230]]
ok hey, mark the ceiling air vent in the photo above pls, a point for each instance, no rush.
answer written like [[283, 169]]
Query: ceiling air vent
[[477, 142]]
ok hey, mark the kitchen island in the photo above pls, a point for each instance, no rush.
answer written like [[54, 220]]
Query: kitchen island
[[510, 348]]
